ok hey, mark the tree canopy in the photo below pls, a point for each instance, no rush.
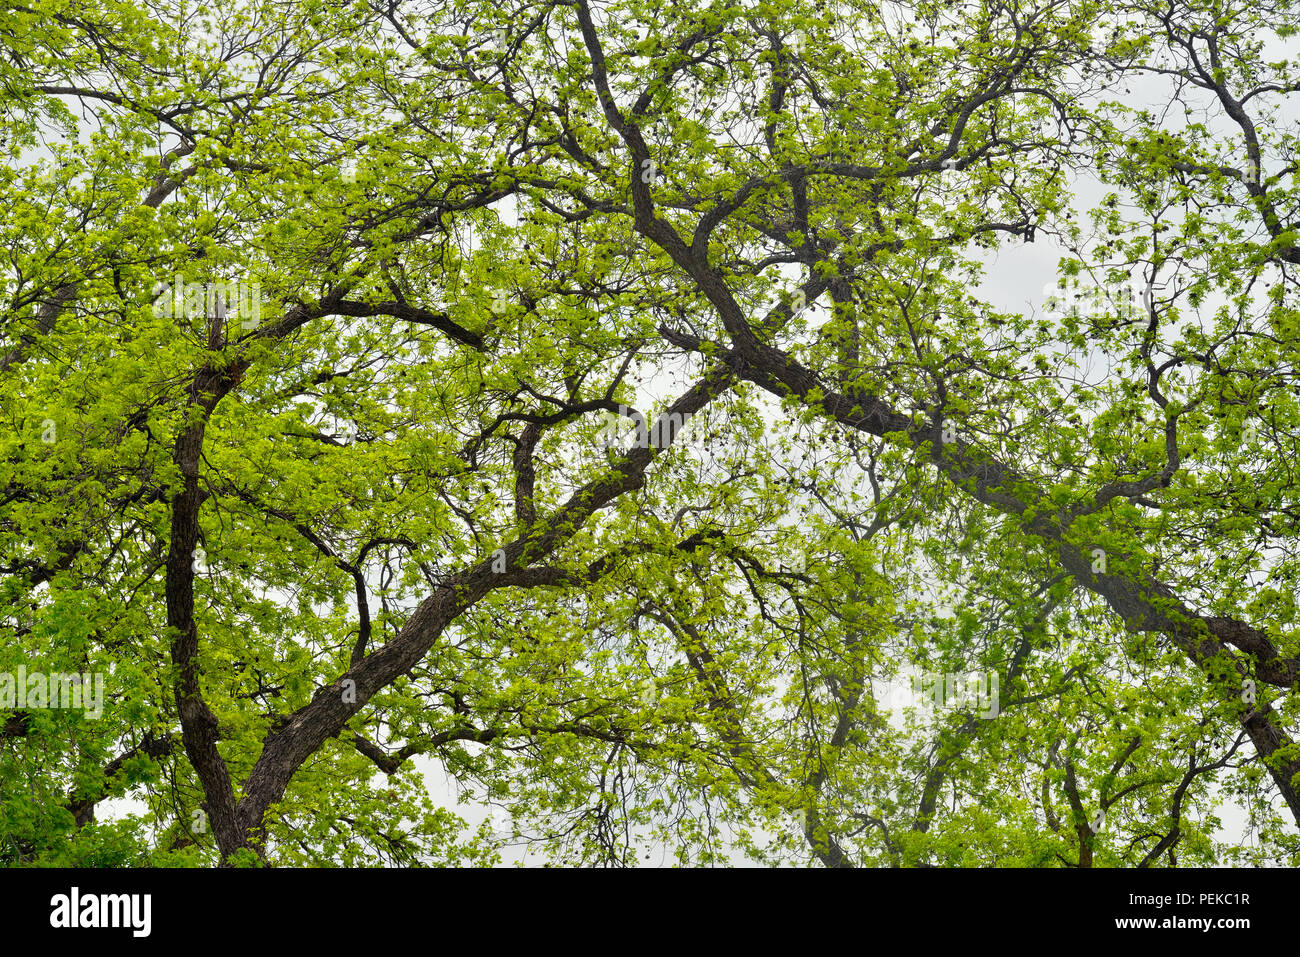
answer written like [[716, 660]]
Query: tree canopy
[[603, 402]]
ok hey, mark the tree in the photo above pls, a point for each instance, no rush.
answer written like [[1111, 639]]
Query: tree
[[592, 399]]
